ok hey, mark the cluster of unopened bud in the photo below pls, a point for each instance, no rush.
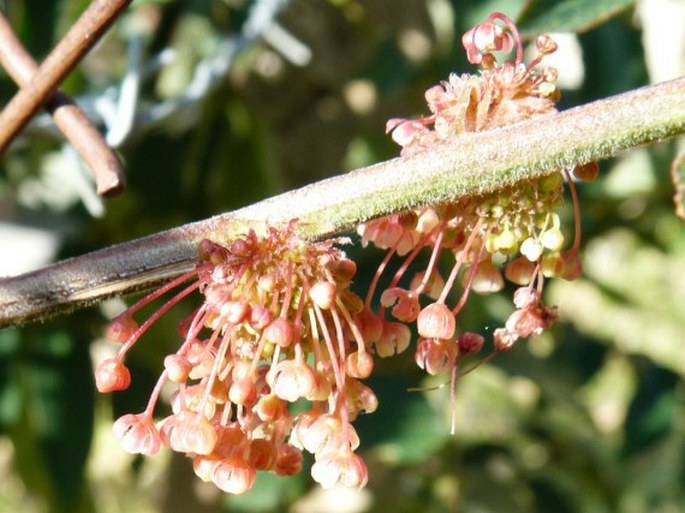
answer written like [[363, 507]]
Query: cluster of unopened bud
[[277, 326]]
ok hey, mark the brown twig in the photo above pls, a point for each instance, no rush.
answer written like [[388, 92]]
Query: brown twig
[[472, 164], [74, 124], [69, 51]]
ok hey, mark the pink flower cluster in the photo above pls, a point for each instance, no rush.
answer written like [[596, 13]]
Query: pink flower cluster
[[513, 234], [503, 92], [277, 326]]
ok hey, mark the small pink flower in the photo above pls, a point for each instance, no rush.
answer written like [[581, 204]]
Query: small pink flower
[[189, 432], [359, 398], [270, 407], [525, 297], [470, 342], [323, 294], [178, 367], [323, 432], [260, 317], [280, 332], [503, 340], [234, 312], [530, 321], [405, 131], [394, 339], [291, 380], [234, 475], [204, 466], [341, 466], [112, 375], [573, 266], [288, 460], [484, 39], [435, 355], [243, 392], [404, 303], [359, 364], [137, 434], [436, 321], [434, 284], [520, 271], [231, 441], [488, 278]]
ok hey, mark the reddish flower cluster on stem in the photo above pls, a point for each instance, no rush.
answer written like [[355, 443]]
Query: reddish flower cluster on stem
[[513, 234], [277, 326], [279, 323]]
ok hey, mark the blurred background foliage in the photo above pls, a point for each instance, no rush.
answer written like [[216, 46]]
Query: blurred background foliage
[[587, 418]]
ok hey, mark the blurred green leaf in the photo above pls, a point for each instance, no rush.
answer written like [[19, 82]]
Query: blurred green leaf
[[568, 15], [52, 436], [651, 413]]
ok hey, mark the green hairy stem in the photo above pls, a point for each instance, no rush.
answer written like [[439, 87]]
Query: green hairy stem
[[470, 165]]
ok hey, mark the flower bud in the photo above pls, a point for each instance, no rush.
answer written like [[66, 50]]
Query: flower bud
[[178, 367], [488, 278], [267, 283], [112, 375], [240, 248], [262, 454], [280, 332], [545, 44], [234, 312], [532, 249], [552, 265], [323, 294], [234, 475], [343, 270], [520, 271], [211, 252], [586, 172], [435, 355], [436, 321], [288, 460], [470, 342], [242, 392], [270, 407], [394, 339], [359, 364], [260, 317], [552, 239]]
